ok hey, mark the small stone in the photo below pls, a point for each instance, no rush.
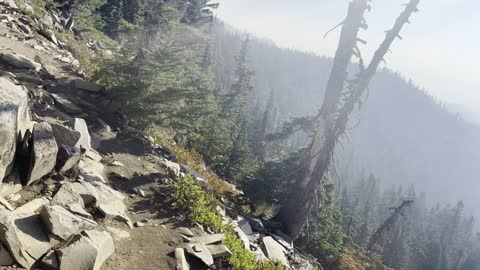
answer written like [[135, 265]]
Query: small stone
[[139, 224], [185, 231]]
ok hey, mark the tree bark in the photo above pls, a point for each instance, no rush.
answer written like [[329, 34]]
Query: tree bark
[[295, 209]]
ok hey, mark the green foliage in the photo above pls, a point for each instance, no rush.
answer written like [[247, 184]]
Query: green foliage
[[189, 196]]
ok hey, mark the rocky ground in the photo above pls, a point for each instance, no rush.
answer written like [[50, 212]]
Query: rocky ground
[[81, 188]]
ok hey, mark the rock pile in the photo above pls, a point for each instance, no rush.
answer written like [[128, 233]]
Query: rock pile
[[56, 230]]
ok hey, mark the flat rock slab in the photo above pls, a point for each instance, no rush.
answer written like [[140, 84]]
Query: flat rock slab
[[273, 250], [200, 251], [209, 239], [14, 120], [44, 152], [219, 251], [19, 61], [24, 237], [67, 158], [60, 222], [80, 125], [181, 260], [66, 104], [185, 231], [91, 248], [65, 135]]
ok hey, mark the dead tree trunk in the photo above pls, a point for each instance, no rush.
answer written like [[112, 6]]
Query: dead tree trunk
[[377, 237], [333, 116]]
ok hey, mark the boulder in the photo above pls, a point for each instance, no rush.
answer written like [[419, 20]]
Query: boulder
[[14, 120], [200, 251], [209, 239], [91, 248], [23, 236], [65, 135], [273, 250], [80, 125], [44, 152], [219, 251], [66, 196], [60, 222], [67, 158], [172, 167], [5, 257], [182, 263], [66, 104], [19, 61], [185, 231], [87, 86], [32, 207], [91, 170]]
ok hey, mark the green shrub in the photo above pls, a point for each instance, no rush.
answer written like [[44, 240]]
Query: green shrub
[[188, 195]]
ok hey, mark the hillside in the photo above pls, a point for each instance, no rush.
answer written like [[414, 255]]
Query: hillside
[[147, 134], [402, 135]]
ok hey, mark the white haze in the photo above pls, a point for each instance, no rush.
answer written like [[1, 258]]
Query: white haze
[[439, 50]]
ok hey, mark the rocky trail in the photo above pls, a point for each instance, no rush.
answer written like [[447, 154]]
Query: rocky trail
[[81, 188]]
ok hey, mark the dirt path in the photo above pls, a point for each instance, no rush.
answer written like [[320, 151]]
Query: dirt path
[[152, 245]]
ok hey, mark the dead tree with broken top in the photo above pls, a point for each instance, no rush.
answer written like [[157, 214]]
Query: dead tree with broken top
[[388, 224], [341, 96]]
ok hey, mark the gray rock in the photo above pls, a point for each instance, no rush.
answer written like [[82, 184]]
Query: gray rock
[[32, 207], [94, 155], [80, 125], [244, 225], [273, 250], [139, 224], [209, 239], [182, 263], [67, 158], [287, 245], [66, 104], [243, 237], [14, 120], [87, 86], [6, 204], [172, 167], [60, 222], [65, 135], [91, 170], [19, 61], [25, 28], [91, 248], [5, 257], [9, 3], [66, 195], [200, 251], [50, 261], [44, 152], [24, 237], [219, 251], [185, 231], [49, 34]]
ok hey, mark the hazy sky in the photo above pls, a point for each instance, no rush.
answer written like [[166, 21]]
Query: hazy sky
[[439, 50]]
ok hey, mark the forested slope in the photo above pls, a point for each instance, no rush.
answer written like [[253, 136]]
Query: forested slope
[[401, 134]]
